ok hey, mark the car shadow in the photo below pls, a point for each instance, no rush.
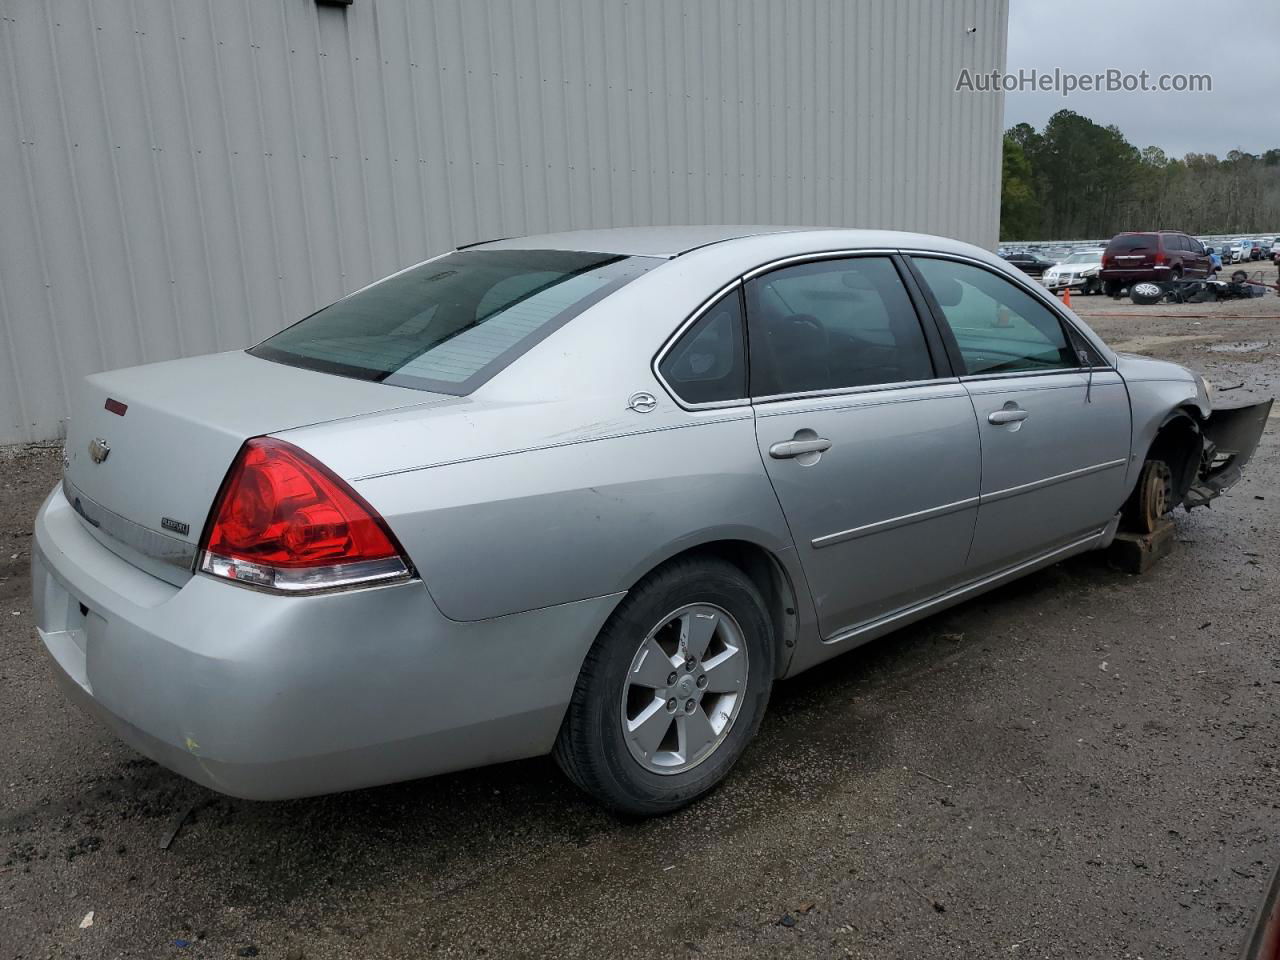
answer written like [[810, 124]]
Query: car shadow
[[825, 729]]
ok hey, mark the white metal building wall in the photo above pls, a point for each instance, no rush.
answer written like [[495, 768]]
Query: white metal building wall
[[184, 176]]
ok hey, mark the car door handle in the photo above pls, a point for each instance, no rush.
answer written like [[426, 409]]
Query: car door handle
[[798, 448], [1007, 416]]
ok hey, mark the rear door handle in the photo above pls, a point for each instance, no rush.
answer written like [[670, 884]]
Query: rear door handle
[[999, 417], [798, 448]]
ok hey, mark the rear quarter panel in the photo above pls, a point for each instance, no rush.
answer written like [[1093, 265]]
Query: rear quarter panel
[[499, 535]]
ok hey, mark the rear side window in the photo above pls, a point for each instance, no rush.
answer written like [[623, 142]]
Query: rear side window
[[998, 327], [831, 325], [1133, 243], [451, 324], [708, 364]]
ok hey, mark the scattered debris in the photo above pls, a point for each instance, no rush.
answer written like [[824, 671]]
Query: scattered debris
[[920, 893], [1241, 873], [929, 776], [953, 637], [786, 920], [182, 944], [87, 922], [806, 907], [249, 951], [82, 846], [174, 827]]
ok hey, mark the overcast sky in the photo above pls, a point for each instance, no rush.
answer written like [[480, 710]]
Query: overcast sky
[[1237, 43]]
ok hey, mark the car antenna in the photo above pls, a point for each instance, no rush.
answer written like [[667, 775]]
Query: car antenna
[[1087, 359]]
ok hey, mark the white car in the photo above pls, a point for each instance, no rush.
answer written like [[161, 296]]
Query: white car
[[1078, 271], [1234, 251]]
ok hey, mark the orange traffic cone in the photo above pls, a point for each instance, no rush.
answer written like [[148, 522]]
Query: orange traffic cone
[[1066, 297]]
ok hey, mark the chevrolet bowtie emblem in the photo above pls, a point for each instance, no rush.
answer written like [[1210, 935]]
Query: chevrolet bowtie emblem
[[99, 449]]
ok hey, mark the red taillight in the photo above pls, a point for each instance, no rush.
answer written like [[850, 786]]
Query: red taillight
[[1159, 257], [283, 520], [1106, 260]]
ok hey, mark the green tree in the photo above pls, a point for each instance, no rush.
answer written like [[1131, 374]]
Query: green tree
[[1078, 179], [1019, 208]]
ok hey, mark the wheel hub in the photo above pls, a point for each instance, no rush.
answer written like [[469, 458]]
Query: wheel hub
[[684, 688]]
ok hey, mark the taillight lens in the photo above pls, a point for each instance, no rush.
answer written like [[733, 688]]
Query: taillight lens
[[1159, 256], [284, 521]]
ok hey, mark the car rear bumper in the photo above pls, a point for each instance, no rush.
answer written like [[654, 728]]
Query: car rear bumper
[[267, 697], [1135, 274]]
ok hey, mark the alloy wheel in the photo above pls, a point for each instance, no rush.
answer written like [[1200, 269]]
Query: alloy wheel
[[684, 688]]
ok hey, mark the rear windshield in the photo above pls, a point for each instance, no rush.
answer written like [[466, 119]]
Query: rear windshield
[[1133, 243], [450, 324]]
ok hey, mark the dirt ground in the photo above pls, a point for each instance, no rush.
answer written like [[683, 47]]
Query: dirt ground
[[1082, 764]]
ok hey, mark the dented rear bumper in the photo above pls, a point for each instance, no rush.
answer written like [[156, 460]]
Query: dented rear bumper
[[1230, 437]]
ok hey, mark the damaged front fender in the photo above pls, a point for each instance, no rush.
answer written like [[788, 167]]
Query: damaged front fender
[[1230, 438]]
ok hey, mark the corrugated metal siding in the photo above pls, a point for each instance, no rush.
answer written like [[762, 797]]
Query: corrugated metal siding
[[183, 176]]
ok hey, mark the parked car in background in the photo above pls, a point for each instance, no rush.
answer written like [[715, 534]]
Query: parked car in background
[[1029, 263], [1079, 271], [1268, 245], [1253, 249], [528, 497], [1235, 251], [1157, 256]]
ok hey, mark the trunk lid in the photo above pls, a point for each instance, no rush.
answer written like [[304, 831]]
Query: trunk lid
[[144, 480]]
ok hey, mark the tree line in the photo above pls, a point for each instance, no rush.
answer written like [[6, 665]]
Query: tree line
[[1077, 179]]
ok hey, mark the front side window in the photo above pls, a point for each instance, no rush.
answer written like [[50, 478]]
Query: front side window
[[450, 324], [708, 364], [831, 325], [998, 327]]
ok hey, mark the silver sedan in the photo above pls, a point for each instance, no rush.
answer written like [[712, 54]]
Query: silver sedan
[[589, 494]]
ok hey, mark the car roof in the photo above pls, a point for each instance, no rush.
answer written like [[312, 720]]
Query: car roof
[[671, 242], [667, 242]]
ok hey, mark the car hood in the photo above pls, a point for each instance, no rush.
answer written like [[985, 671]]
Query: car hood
[[1136, 367]]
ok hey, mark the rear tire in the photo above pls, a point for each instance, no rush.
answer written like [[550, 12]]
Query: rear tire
[[616, 743]]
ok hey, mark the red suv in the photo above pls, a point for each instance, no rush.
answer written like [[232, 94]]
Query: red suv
[[1162, 255]]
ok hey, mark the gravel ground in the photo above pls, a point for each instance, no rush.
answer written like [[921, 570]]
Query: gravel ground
[[1083, 764]]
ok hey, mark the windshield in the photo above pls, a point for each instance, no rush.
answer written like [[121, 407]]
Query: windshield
[[450, 324], [1082, 258]]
